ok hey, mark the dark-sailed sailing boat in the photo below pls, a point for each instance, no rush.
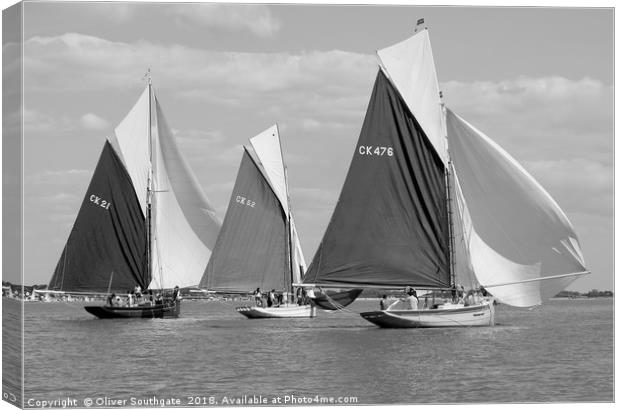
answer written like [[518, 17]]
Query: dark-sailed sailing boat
[[407, 198], [144, 220], [258, 245]]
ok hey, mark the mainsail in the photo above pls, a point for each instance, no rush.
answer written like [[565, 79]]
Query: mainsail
[[172, 225], [108, 239], [390, 225], [254, 246]]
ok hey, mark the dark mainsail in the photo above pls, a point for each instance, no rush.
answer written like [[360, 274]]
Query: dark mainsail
[[390, 226], [108, 239], [251, 249]]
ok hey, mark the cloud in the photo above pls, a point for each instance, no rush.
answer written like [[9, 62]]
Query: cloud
[[92, 121], [254, 18], [116, 11], [38, 122], [61, 197], [539, 118], [67, 176], [578, 185], [561, 131]]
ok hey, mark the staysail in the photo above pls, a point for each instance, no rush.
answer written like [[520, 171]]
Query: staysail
[[250, 251], [182, 226], [390, 225], [106, 246], [522, 246]]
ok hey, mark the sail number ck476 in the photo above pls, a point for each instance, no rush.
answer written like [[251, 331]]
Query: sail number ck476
[[100, 201], [372, 151]]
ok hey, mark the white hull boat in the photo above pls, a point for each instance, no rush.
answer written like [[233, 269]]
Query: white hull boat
[[449, 316], [432, 203], [291, 311], [258, 246]]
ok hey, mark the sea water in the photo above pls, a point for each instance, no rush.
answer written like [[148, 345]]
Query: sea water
[[213, 356]]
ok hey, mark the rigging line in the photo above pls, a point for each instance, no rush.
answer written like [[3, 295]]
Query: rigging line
[[585, 272], [338, 306]]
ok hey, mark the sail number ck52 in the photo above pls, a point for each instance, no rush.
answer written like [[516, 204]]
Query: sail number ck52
[[244, 201], [372, 151], [100, 201]]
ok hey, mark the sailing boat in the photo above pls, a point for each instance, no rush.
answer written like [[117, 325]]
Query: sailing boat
[[258, 245], [413, 213], [144, 221]]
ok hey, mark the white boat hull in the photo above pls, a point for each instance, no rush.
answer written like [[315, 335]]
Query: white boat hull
[[292, 311], [466, 316]]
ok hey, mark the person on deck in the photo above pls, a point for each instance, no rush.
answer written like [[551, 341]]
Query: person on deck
[[271, 298], [111, 299], [176, 294], [412, 299], [471, 298], [383, 304], [258, 297], [298, 296]]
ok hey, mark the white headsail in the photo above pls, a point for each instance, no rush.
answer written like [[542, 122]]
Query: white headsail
[[184, 225], [522, 246]]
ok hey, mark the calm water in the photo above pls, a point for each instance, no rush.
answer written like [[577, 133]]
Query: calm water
[[560, 352]]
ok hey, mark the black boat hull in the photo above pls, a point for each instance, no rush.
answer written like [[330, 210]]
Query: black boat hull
[[168, 310], [334, 300]]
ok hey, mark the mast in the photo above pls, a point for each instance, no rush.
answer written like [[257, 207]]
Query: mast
[[449, 199], [289, 231], [149, 187]]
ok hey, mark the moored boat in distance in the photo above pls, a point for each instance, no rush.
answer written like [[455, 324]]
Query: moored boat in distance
[[258, 245], [413, 213], [144, 226]]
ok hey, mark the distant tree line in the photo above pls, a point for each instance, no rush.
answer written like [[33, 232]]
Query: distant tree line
[[594, 293]]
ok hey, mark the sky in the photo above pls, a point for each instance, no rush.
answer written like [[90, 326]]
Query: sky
[[539, 81]]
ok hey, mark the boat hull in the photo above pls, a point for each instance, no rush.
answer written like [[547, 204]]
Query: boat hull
[[293, 311], [479, 315], [137, 312]]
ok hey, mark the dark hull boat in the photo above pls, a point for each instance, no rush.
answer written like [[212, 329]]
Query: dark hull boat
[[142, 193], [168, 310], [334, 299]]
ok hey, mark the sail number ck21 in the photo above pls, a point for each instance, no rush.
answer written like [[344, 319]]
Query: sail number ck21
[[100, 201], [373, 151]]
